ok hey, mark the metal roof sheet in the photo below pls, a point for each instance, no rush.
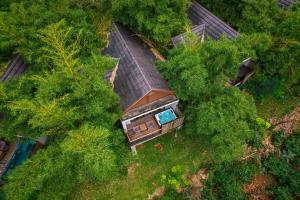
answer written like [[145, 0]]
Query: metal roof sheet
[[16, 67], [136, 75], [198, 30], [214, 26], [285, 3]]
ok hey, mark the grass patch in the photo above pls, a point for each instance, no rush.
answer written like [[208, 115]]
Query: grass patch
[[191, 153], [272, 107]]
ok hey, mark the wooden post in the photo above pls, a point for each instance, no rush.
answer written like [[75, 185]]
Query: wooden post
[[133, 148]]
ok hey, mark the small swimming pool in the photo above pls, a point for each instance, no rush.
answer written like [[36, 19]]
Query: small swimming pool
[[22, 153], [165, 116]]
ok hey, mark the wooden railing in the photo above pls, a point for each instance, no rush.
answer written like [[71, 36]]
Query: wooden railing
[[176, 124]]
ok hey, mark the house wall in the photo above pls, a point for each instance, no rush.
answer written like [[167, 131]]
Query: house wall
[[149, 98]]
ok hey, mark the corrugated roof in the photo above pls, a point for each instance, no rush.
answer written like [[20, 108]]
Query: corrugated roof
[[136, 75], [16, 67], [214, 26], [198, 30], [285, 3]]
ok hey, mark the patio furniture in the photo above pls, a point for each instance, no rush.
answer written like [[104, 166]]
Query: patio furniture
[[143, 127]]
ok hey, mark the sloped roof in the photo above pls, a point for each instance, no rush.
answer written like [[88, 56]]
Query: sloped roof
[[136, 74], [16, 67], [214, 26], [198, 30], [285, 3]]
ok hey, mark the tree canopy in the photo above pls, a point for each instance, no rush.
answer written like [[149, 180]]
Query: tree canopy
[[198, 74], [158, 20]]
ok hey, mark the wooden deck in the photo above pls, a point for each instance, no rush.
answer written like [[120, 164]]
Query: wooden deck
[[147, 128], [142, 127]]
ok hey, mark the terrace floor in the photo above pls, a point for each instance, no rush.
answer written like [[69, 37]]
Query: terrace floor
[[142, 127]]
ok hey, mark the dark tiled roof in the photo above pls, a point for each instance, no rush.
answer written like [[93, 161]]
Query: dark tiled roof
[[16, 67], [136, 75], [285, 3], [198, 30], [214, 26]]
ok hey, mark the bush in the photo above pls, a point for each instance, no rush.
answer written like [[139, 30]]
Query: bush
[[284, 173], [281, 193], [227, 179]]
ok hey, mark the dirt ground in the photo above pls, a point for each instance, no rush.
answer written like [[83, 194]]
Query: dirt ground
[[256, 190], [288, 123]]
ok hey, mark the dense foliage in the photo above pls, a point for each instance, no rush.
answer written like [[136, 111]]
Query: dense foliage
[[21, 20], [159, 20], [223, 113], [64, 96], [228, 178], [284, 166], [60, 97], [278, 65]]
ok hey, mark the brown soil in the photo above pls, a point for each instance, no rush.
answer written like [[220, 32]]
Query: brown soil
[[265, 150], [158, 193], [196, 182], [257, 188], [131, 169], [159, 147], [288, 123]]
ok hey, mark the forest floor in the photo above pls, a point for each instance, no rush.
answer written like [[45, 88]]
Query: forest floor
[[145, 169]]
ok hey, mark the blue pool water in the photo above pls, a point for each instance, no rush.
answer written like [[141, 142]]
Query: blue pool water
[[22, 153], [165, 116]]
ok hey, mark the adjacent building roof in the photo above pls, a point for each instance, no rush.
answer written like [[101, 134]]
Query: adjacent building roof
[[285, 3], [198, 30], [16, 67], [136, 74], [214, 26]]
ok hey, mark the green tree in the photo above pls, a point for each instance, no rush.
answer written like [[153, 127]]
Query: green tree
[[21, 21], [92, 146], [42, 176], [63, 93], [229, 121], [159, 20], [248, 16], [198, 73]]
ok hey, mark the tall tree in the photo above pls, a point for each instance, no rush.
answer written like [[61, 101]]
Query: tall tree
[[159, 20], [199, 72]]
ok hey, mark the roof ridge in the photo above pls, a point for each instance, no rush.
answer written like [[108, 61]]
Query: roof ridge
[[136, 62], [208, 16]]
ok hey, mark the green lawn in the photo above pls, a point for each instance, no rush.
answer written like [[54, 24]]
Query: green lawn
[[189, 152], [271, 107]]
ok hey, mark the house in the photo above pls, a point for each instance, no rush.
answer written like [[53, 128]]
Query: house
[[207, 25], [198, 30], [149, 107], [214, 27], [285, 3]]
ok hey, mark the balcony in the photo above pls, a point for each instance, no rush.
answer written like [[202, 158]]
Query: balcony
[[147, 128]]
